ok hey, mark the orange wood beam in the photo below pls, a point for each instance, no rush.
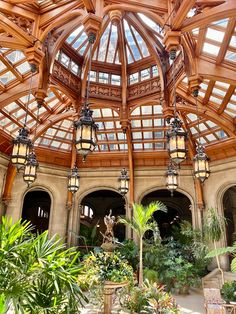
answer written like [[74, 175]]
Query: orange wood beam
[[181, 14], [227, 9], [226, 99], [89, 5], [11, 173]]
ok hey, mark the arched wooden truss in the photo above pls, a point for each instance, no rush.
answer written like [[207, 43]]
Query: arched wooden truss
[[132, 80]]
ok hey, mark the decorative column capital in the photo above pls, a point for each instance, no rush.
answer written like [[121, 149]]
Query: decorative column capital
[[171, 40], [92, 24], [115, 17], [35, 54], [40, 95], [194, 82]]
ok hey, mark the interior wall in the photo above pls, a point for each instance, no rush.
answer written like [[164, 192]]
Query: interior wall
[[4, 161]]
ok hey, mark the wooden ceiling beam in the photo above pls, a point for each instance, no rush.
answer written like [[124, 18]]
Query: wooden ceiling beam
[[208, 92], [227, 9], [225, 43], [7, 7], [181, 14], [89, 5], [226, 99], [11, 68]]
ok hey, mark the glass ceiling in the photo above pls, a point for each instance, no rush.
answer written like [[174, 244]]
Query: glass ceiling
[[108, 50]]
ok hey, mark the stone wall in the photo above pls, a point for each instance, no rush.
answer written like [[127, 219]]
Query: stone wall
[[54, 181]]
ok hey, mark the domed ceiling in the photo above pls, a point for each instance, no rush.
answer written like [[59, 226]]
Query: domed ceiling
[[131, 76]]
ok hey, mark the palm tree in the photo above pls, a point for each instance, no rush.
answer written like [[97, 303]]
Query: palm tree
[[214, 226], [140, 223]]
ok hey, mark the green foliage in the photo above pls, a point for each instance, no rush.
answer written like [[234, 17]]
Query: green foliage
[[37, 274], [214, 225], [129, 251], [107, 266], [141, 221], [150, 298], [228, 291], [2, 304]]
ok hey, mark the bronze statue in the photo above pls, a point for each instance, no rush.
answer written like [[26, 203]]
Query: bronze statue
[[109, 221]]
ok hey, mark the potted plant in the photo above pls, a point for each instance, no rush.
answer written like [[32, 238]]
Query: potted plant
[[228, 292]]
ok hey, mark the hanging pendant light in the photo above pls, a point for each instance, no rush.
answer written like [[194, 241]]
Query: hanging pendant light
[[31, 166], [73, 180], [200, 160], [85, 140], [171, 178], [176, 137], [21, 148], [201, 164], [22, 143], [30, 171], [124, 178], [124, 182]]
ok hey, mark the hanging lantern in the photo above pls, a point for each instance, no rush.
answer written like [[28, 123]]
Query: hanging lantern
[[31, 166], [124, 182], [73, 180], [176, 139], [21, 147], [201, 164], [171, 178], [85, 140]]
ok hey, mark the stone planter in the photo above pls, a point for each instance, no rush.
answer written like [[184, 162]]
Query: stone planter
[[109, 289]]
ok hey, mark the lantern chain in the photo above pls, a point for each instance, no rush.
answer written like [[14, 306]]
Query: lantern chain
[[33, 70], [91, 39]]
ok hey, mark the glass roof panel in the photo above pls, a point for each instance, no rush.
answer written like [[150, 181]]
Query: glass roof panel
[[156, 27]]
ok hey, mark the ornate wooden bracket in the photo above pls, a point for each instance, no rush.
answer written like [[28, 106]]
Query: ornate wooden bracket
[[194, 82], [171, 40], [35, 54], [92, 23]]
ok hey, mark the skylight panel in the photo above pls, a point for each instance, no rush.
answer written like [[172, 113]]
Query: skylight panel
[[150, 22], [11, 107], [211, 49], [103, 44], [7, 78], [233, 41], [223, 23], [230, 56], [136, 135], [137, 146], [115, 79], [157, 109], [216, 100], [81, 40], [136, 112], [218, 92], [222, 84], [23, 67], [112, 44], [96, 113], [2, 66], [231, 109], [131, 42], [221, 134], [158, 122], [141, 43], [215, 34], [107, 112], [202, 127], [146, 110], [129, 56], [211, 137], [136, 123], [147, 145], [147, 123], [15, 56], [192, 116], [75, 33]]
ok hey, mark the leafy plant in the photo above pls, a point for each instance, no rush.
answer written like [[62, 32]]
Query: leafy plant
[[37, 274], [129, 251], [150, 298], [214, 227], [140, 223], [228, 291], [107, 266]]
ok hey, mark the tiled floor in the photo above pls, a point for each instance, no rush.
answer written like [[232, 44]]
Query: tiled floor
[[189, 304]]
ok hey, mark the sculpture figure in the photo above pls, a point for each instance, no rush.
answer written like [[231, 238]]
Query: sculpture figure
[[109, 221]]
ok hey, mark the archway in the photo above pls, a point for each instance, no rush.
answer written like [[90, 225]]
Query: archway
[[36, 209], [229, 205], [94, 206], [178, 209]]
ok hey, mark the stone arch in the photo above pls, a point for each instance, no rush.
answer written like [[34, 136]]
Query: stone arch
[[191, 206], [39, 188]]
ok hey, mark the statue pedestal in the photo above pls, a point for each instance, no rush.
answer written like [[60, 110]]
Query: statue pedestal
[[109, 289]]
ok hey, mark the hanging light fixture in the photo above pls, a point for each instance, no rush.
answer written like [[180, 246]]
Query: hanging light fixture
[[171, 178], [176, 137], [124, 178], [73, 180], [200, 160], [86, 128], [22, 143], [30, 171]]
